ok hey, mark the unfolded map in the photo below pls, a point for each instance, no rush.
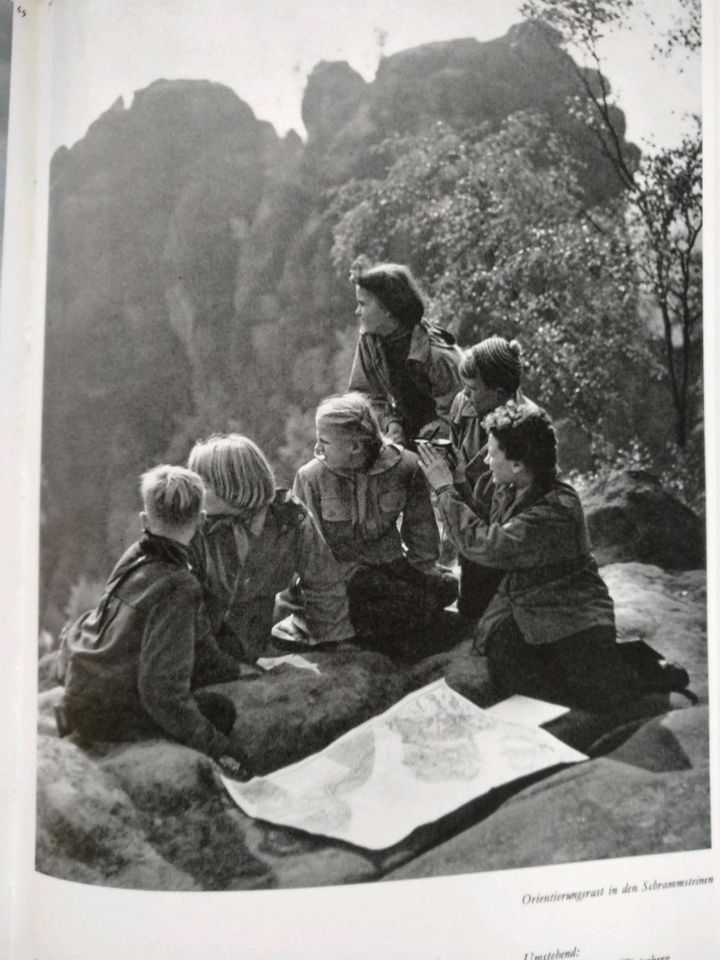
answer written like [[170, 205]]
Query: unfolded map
[[421, 759]]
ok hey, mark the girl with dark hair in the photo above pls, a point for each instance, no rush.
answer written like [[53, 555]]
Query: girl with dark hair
[[373, 506], [406, 365], [549, 631]]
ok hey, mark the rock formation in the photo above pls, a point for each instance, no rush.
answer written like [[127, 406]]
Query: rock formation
[[153, 814], [190, 288]]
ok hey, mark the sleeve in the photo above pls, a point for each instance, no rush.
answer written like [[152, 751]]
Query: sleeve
[[364, 379], [419, 529], [536, 536], [455, 434], [445, 381], [306, 492], [326, 607], [211, 663], [165, 673]]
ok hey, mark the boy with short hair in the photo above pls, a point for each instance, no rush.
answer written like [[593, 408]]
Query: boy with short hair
[[130, 664]]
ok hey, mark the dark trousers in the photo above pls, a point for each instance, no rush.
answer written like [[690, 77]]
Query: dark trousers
[[584, 670], [477, 588], [102, 722], [398, 610]]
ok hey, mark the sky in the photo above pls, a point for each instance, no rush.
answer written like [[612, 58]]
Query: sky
[[264, 50]]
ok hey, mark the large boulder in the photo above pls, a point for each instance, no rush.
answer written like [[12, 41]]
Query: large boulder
[[88, 828], [632, 517], [666, 610], [153, 815]]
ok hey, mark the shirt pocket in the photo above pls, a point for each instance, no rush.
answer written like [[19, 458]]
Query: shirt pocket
[[392, 502], [335, 510]]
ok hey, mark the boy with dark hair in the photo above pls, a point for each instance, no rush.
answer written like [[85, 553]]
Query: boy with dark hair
[[130, 664], [491, 373]]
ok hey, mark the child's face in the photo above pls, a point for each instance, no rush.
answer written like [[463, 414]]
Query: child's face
[[502, 469], [484, 399], [338, 451], [373, 316]]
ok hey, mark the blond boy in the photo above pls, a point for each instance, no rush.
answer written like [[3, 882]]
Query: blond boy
[[130, 664]]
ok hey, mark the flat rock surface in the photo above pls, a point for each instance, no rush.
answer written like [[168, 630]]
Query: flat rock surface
[[648, 796], [153, 814]]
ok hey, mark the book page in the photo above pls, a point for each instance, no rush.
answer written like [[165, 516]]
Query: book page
[[188, 186]]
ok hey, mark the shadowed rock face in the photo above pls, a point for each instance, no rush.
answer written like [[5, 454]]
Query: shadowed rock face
[[153, 815], [631, 517], [190, 288], [334, 92]]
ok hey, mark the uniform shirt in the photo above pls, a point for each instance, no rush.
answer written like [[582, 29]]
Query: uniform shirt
[[241, 575], [359, 511]]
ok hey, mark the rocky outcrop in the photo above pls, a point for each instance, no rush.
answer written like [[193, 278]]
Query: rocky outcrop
[[148, 216], [632, 517], [153, 814], [333, 93], [190, 287]]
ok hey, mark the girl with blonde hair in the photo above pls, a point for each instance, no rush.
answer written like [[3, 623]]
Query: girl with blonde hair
[[373, 505]]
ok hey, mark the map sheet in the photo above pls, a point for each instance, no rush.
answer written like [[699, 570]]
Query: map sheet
[[526, 710], [423, 758]]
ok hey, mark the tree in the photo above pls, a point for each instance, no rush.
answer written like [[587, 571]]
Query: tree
[[495, 225], [665, 190]]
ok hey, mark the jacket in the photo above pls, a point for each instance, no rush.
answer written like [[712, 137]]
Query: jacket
[[134, 655], [411, 378], [358, 512], [551, 587], [242, 573]]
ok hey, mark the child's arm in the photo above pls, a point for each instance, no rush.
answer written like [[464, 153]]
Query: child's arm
[[542, 533], [305, 491], [165, 670], [326, 608], [211, 664], [419, 530]]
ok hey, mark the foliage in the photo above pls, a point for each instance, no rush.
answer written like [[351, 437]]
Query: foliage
[[680, 471], [668, 214], [685, 35], [586, 22], [494, 225], [665, 191]]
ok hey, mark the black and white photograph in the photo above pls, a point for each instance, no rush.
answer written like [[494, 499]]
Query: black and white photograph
[[370, 503]]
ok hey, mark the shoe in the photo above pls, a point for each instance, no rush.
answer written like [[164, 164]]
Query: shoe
[[234, 769]]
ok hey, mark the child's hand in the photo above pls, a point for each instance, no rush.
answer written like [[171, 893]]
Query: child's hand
[[233, 768], [434, 466]]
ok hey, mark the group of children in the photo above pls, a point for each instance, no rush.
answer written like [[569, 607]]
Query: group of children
[[229, 567], [352, 557]]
